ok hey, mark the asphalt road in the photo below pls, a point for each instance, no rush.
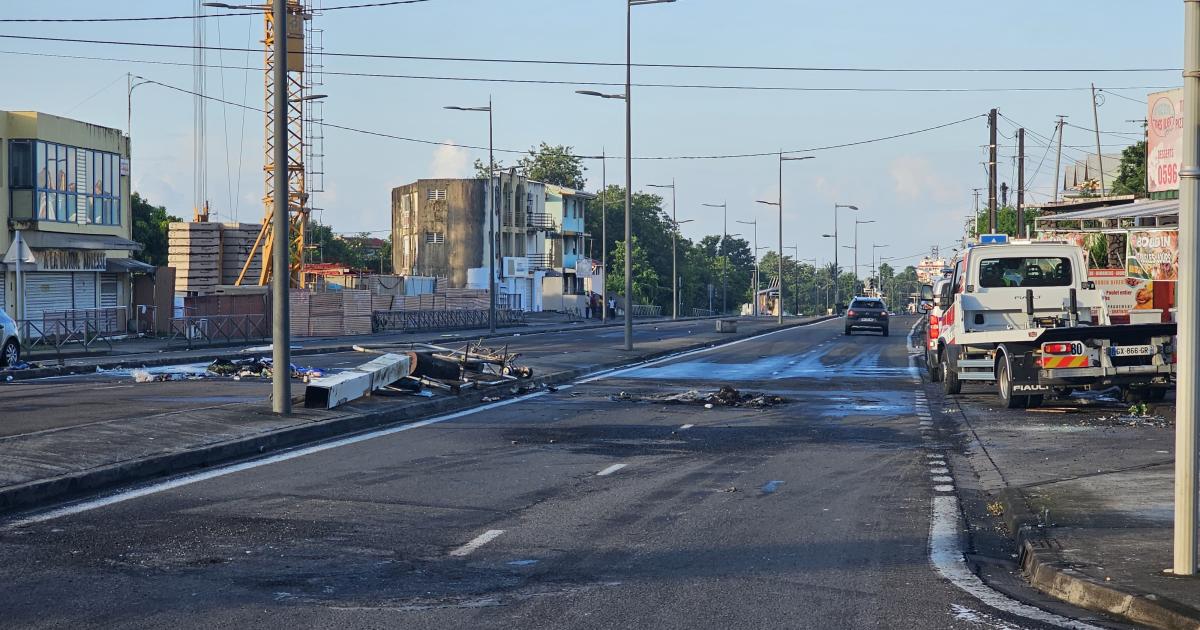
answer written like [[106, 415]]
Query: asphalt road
[[562, 510]]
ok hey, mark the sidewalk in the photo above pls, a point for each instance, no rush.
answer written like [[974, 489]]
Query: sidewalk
[[1087, 493], [146, 352], [42, 466]]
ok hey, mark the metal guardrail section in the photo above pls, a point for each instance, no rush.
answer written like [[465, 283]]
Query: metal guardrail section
[[110, 320], [702, 312], [540, 221], [646, 310], [396, 321], [55, 334], [196, 330]]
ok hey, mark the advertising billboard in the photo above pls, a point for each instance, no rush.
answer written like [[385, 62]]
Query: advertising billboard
[[1164, 149], [1152, 255]]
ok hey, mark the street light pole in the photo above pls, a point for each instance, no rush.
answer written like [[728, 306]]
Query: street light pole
[[782, 159], [1188, 379], [837, 285], [754, 293], [604, 234], [281, 360], [674, 264], [491, 210], [724, 206]]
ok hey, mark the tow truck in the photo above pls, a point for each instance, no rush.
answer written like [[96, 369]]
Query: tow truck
[[1023, 316]]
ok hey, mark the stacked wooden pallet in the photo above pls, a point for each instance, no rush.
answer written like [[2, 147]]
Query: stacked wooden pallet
[[383, 302], [325, 314], [299, 312], [237, 241], [194, 250], [466, 299], [356, 312]]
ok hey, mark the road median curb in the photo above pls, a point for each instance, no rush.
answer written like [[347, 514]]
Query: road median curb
[[40, 493]]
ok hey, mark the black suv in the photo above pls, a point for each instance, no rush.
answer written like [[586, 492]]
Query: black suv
[[868, 313]]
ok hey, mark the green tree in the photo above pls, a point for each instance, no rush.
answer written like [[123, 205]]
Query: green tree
[[645, 278], [1006, 221], [150, 224], [554, 165], [326, 247], [1131, 176]]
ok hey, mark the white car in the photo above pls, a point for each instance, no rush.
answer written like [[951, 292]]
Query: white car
[[10, 351]]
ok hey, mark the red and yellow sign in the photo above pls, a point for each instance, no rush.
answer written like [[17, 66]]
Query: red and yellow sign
[[1054, 362]]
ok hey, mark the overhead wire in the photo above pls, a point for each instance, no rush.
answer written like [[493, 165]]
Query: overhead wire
[[163, 18], [524, 152], [611, 64]]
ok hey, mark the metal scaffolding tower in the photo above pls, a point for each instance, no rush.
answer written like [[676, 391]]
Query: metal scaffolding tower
[[302, 110]]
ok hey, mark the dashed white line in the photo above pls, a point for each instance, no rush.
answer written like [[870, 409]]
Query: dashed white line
[[479, 541], [610, 470], [943, 479], [938, 471], [686, 427], [944, 488]]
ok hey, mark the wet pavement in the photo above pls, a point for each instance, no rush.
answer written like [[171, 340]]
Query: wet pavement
[[561, 509]]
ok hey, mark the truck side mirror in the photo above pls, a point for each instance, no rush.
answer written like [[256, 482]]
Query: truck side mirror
[[926, 292]]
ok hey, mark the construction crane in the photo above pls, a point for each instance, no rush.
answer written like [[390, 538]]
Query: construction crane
[[303, 116]]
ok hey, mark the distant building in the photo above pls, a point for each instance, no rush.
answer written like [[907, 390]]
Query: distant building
[[440, 228], [66, 188]]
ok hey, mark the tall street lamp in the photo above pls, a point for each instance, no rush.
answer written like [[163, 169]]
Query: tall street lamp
[[837, 286], [724, 206], [875, 248], [754, 293], [628, 98], [782, 158], [678, 279], [856, 224], [491, 210], [674, 263]]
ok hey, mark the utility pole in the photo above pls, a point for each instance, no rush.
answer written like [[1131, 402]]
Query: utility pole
[[1058, 160], [1021, 183], [992, 171], [604, 235], [1096, 120], [281, 360], [1188, 378]]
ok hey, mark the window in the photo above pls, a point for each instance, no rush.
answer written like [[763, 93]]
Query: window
[[436, 194], [866, 304], [435, 237], [71, 184], [1024, 272]]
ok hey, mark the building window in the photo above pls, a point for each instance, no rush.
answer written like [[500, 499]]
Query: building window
[[436, 194], [435, 237], [71, 185]]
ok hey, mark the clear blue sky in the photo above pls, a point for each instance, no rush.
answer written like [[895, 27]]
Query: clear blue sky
[[916, 188]]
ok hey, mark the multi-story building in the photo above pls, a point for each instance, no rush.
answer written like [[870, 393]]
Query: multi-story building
[[440, 228], [64, 184]]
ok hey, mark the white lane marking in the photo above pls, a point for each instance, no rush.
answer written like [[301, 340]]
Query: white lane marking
[[943, 479], [944, 488], [946, 554], [686, 427], [938, 471], [480, 540], [608, 373], [188, 480], [610, 470]]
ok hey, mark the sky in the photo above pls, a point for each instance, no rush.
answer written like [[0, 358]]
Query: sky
[[917, 189]]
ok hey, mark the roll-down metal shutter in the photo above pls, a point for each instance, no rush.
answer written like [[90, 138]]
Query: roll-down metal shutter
[[108, 290], [46, 291]]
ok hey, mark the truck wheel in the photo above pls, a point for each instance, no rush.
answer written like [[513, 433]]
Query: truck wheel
[[935, 370], [950, 383], [1004, 385]]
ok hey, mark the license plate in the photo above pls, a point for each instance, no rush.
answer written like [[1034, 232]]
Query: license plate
[[1130, 351], [867, 319]]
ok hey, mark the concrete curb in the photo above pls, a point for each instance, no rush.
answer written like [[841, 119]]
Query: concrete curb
[[1049, 572], [118, 364], [31, 495]]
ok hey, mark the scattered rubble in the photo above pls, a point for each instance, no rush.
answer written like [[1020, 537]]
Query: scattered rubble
[[725, 397]]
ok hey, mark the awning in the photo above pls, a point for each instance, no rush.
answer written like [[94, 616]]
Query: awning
[[127, 265], [1145, 213], [37, 239]]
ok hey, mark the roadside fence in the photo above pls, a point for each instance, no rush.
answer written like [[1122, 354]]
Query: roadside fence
[[400, 321]]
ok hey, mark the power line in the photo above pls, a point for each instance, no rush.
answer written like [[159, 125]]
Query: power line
[[556, 62], [1128, 98], [524, 152], [378, 75], [162, 18]]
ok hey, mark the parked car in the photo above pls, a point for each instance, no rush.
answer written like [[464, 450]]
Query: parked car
[[10, 352], [868, 313]]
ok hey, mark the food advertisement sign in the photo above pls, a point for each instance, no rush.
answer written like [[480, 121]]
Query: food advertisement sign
[[1164, 151], [1121, 293], [1079, 239], [1152, 255]]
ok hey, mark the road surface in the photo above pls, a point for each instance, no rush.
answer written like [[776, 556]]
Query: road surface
[[576, 508]]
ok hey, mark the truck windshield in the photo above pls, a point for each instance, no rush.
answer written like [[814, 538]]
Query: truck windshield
[[1024, 272]]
